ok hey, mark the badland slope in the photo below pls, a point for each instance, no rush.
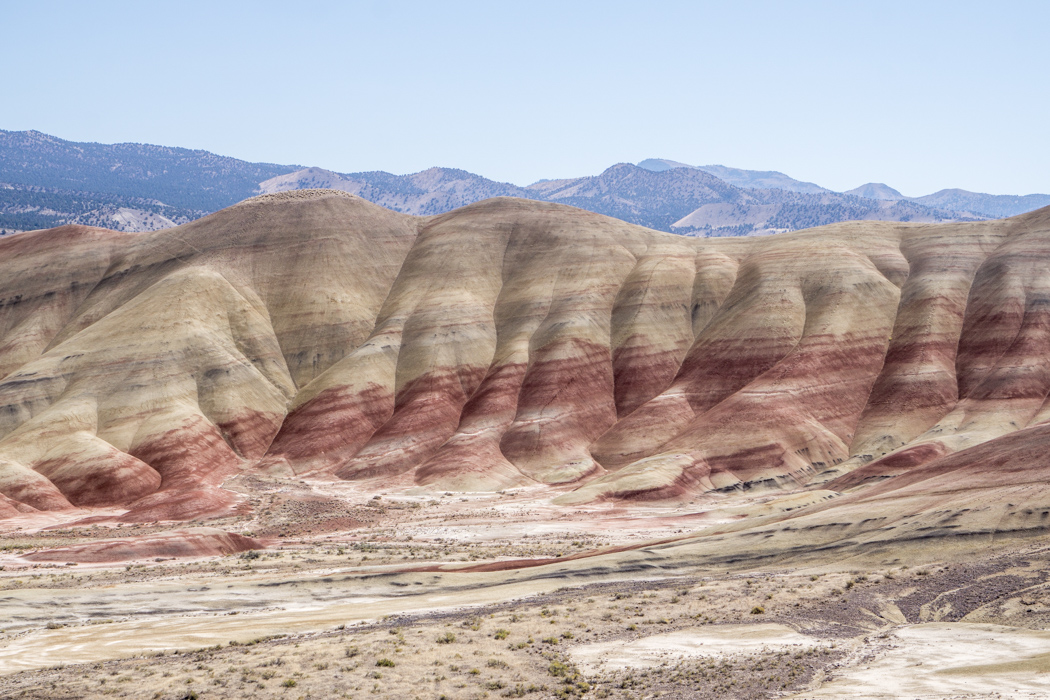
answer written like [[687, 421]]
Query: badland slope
[[514, 342]]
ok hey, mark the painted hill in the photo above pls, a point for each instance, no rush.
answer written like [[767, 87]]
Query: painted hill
[[515, 342]]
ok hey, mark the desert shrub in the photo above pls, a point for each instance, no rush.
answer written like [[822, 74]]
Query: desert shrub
[[557, 669]]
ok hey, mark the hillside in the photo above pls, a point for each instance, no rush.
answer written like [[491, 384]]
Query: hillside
[[46, 181], [965, 204], [511, 343], [179, 177], [994, 206], [28, 208], [748, 179], [656, 200]]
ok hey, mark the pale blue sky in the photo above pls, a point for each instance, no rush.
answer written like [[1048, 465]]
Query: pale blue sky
[[920, 95]]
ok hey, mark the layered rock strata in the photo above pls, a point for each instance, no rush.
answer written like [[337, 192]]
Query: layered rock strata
[[506, 343]]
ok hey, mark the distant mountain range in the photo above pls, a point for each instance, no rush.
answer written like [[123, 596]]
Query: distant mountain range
[[993, 206], [749, 179], [964, 204], [46, 181], [180, 177], [432, 191], [693, 201]]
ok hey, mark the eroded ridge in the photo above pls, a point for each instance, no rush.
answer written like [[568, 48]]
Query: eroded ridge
[[512, 343]]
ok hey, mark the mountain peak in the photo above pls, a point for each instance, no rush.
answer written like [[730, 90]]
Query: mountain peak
[[748, 179], [658, 165], [876, 190]]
